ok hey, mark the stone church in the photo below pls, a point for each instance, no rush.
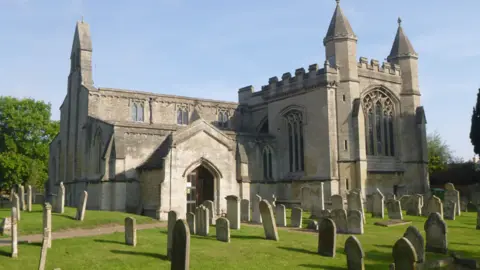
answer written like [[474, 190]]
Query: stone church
[[345, 123]]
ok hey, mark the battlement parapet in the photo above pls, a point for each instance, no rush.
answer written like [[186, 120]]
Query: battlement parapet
[[374, 65]]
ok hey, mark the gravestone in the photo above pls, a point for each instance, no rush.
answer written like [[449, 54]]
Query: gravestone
[[321, 197], [414, 205], [449, 209], [256, 215], [211, 211], [355, 222], [436, 234], [172, 219], [233, 211], [43, 251], [14, 231], [6, 226], [354, 251], [339, 216], [312, 225], [453, 195], [21, 193], [369, 199], [391, 266], [180, 254], [47, 223], [337, 202], [394, 210], [223, 229], [82, 205], [404, 255], [378, 204], [433, 204], [325, 214], [404, 200], [191, 222], [202, 220], [327, 237], [60, 203], [269, 225], [390, 196], [245, 210], [16, 203], [29, 198], [416, 239], [296, 218], [130, 231], [355, 202], [280, 216]]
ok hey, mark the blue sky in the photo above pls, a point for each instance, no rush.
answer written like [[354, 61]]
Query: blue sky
[[210, 49]]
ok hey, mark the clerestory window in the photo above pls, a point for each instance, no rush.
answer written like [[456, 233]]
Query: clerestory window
[[294, 123], [222, 119], [182, 116], [379, 127], [137, 110]]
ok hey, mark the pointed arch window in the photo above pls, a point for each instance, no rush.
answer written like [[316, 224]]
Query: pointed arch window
[[222, 119], [182, 116], [267, 163], [137, 111], [294, 123], [379, 126]]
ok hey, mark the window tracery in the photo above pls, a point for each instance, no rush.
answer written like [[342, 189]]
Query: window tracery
[[294, 123], [222, 119], [137, 110], [182, 115]]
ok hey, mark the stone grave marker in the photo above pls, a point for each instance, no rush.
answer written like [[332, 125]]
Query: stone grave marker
[[355, 202], [325, 214], [43, 251], [256, 215], [416, 239], [436, 234], [453, 195], [394, 210], [211, 211], [180, 254], [390, 196], [202, 220], [233, 211], [449, 209], [269, 225], [223, 229], [337, 202], [355, 222], [14, 231], [296, 218], [16, 203], [29, 198], [391, 266], [172, 219], [327, 237], [404, 255], [354, 251], [82, 206], [414, 205], [433, 204], [21, 193], [378, 204], [280, 216], [245, 209], [47, 223], [404, 200], [191, 222], [339, 216], [60, 203], [312, 225], [6, 226], [130, 231]]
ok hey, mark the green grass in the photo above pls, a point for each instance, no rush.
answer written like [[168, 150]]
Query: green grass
[[31, 222], [248, 249]]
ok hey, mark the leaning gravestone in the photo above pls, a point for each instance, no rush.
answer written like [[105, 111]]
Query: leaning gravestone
[[16, 203], [60, 203], [130, 231], [453, 195], [269, 226], [21, 193], [339, 216], [47, 223], [404, 200], [378, 204], [180, 254], [233, 211], [14, 231], [191, 222], [211, 211], [337, 202], [433, 204], [404, 255], [82, 205], [172, 219], [355, 254], [43, 252], [6, 226], [355, 222], [223, 229], [256, 215], [436, 232], [394, 210], [416, 239], [296, 218], [414, 205], [327, 237], [449, 209], [29, 198], [280, 216], [245, 210], [355, 202]]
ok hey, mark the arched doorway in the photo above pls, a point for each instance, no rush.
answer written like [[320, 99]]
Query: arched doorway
[[200, 187]]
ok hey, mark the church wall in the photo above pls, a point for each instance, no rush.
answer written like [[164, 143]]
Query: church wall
[[150, 190], [383, 181]]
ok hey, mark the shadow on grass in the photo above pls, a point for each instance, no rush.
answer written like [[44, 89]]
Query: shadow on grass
[[204, 237], [464, 244], [146, 254], [318, 266], [302, 250], [164, 232], [64, 216], [383, 246], [5, 253], [247, 237], [109, 241]]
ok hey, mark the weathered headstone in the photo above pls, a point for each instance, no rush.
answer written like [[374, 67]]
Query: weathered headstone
[[394, 210], [6, 226], [269, 225], [21, 194], [130, 231], [453, 195], [245, 210], [256, 215], [14, 231], [296, 218], [337, 202], [60, 203], [404, 200], [355, 254], [404, 255], [378, 204], [43, 251], [223, 229], [16, 203], [47, 223], [180, 254], [355, 222], [82, 206], [416, 239], [191, 222], [449, 209], [202, 220], [12, 191], [327, 237], [339, 216], [325, 214], [312, 225], [172, 219], [280, 215], [321, 202], [29, 198], [233, 211], [211, 211], [436, 234], [390, 196], [414, 205], [355, 202], [433, 204]]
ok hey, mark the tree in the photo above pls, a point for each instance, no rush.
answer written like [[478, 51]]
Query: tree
[[26, 131], [439, 153], [475, 126]]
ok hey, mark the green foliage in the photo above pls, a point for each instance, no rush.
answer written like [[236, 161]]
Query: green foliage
[[439, 153], [475, 126], [26, 131]]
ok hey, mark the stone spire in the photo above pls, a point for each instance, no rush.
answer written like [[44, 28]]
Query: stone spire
[[401, 46], [339, 26]]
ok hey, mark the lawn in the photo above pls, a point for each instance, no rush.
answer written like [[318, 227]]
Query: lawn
[[31, 222], [247, 250]]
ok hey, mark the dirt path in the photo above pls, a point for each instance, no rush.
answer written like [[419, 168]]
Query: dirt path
[[37, 238]]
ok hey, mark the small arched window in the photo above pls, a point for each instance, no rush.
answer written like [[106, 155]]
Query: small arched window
[[182, 116], [137, 111], [222, 119], [294, 123], [267, 163]]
